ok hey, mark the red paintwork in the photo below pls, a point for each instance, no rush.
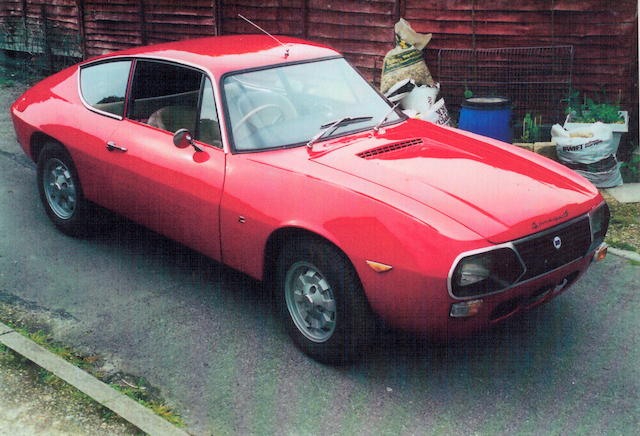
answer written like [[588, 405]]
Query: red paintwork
[[416, 208]]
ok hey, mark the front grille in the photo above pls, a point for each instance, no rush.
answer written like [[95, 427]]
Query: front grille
[[540, 255], [388, 148]]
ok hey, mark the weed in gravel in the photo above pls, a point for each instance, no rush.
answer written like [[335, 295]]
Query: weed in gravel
[[140, 394]]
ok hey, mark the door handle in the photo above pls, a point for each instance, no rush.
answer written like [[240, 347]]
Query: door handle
[[112, 146]]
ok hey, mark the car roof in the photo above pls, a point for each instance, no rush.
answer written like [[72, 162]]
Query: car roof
[[222, 54]]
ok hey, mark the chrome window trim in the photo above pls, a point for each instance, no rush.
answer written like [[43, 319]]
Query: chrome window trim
[[401, 116], [98, 62], [511, 245], [216, 89]]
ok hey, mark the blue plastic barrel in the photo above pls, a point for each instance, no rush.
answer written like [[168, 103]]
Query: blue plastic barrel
[[488, 116]]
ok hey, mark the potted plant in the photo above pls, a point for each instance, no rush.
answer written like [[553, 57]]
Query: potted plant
[[585, 112]]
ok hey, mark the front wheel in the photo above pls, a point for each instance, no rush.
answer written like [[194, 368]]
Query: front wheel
[[60, 190], [322, 302]]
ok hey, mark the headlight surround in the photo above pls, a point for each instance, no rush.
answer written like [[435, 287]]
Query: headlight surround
[[599, 219], [485, 273]]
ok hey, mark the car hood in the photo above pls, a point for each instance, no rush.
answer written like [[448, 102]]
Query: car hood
[[497, 190]]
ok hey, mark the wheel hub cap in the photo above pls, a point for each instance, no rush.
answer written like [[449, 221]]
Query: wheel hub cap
[[310, 301], [59, 188]]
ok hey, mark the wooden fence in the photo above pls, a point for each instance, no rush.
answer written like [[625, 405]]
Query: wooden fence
[[604, 33]]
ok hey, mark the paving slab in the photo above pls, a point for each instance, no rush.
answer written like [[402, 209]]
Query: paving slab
[[626, 193], [624, 253]]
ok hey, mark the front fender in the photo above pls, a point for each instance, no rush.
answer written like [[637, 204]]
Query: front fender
[[365, 221]]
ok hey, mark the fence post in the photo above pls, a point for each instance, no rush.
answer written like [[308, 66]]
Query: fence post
[[216, 6], [48, 53], [401, 6], [81, 29], [143, 22], [305, 19], [24, 23]]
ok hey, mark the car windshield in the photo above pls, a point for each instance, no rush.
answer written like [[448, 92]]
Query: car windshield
[[290, 104]]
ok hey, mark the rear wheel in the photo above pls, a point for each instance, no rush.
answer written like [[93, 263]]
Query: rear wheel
[[322, 302], [60, 190]]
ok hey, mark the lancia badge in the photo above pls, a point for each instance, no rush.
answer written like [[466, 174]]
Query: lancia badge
[[557, 242]]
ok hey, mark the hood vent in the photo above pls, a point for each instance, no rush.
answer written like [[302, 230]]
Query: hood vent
[[388, 148]]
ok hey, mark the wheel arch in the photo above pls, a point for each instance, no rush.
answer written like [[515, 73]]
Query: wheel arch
[[280, 236], [38, 141]]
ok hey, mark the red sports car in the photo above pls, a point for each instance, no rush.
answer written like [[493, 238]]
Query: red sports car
[[281, 161]]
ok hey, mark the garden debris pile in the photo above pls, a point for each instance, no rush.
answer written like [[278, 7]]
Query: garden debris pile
[[406, 78]]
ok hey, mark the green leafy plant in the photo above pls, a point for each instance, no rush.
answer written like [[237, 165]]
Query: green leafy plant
[[467, 92], [587, 110], [631, 170], [531, 128]]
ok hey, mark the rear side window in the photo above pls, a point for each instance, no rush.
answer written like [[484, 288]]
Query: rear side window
[[165, 95], [104, 86]]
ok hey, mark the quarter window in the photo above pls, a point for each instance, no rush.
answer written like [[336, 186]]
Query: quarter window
[[208, 125], [104, 86]]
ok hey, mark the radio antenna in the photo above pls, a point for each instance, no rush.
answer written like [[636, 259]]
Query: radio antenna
[[286, 49]]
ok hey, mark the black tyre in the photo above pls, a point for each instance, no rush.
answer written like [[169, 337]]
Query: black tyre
[[321, 301], [60, 190]]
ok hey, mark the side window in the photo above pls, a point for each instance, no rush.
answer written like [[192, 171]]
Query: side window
[[103, 86], [165, 95], [208, 124]]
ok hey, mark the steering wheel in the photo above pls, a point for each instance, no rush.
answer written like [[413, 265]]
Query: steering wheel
[[253, 112], [322, 108]]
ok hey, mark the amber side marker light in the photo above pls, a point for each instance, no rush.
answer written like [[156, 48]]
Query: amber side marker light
[[465, 309], [379, 267], [601, 252]]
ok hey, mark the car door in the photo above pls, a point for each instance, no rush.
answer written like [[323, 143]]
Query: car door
[[103, 87], [174, 191]]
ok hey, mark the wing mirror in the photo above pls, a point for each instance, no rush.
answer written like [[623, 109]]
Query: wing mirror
[[183, 138]]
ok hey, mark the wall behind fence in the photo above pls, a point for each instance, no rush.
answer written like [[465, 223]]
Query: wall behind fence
[[603, 32]]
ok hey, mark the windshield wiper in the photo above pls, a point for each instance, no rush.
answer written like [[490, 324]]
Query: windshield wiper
[[384, 119], [333, 125]]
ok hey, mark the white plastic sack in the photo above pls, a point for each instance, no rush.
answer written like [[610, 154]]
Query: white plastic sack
[[421, 98], [400, 90], [437, 114], [584, 145], [604, 179]]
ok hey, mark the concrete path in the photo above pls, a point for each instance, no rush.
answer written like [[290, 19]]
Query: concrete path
[[626, 193]]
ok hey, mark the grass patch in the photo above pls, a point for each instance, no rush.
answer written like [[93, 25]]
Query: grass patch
[[45, 340], [622, 245], [624, 226], [142, 393]]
